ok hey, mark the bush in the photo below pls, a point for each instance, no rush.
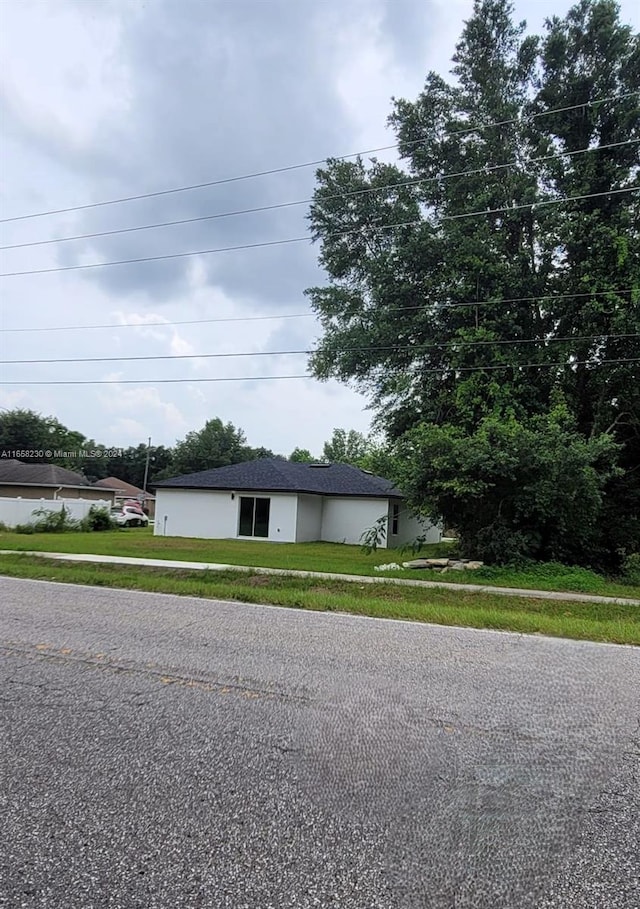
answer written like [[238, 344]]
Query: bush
[[516, 490], [24, 528], [631, 568], [98, 519], [54, 521]]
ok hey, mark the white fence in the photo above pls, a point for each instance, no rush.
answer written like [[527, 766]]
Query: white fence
[[20, 511]]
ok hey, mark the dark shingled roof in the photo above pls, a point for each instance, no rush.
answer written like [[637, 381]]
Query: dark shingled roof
[[274, 475], [39, 475]]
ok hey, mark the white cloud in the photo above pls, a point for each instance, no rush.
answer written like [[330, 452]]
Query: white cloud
[[140, 402], [10, 400], [130, 432]]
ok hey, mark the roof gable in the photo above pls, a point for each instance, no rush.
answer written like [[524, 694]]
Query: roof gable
[[275, 475]]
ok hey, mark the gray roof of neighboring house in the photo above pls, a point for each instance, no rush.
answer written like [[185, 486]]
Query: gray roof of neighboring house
[[21, 474], [274, 475]]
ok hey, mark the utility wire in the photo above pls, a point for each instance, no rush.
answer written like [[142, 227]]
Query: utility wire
[[417, 349], [357, 230], [162, 381], [534, 205], [296, 315], [317, 163], [454, 370], [306, 315], [201, 252], [343, 195]]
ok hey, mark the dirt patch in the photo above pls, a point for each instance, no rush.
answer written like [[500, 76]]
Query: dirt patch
[[259, 580]]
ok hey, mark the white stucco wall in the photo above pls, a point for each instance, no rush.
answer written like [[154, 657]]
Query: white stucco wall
[[195, 513], [309, 523], [410, 528], [282, 518], [344, 520], [214, 515]]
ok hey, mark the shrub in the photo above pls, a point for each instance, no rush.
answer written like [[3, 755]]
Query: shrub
[[54, 521], [24, 528], [631, 568], [98, 519]]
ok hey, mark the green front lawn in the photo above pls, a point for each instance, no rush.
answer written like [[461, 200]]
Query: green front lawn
[[327, 557], [334, 557], [581, 621]]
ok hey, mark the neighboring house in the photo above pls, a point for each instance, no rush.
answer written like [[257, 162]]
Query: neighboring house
[[124, 492], [277, 500], [45, 481]]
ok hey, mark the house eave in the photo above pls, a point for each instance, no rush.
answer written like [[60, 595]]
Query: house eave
[[306, 492], [48, 485]]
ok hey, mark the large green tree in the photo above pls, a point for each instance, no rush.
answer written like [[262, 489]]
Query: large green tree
[[131, 465], [346, 447], [301, 456], [26, 430], [215, 445], [496, 274]]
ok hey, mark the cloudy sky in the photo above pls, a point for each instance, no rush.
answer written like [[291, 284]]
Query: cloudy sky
[[104, 99]]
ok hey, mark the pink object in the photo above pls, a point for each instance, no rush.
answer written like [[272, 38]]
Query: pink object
[[131, 503]]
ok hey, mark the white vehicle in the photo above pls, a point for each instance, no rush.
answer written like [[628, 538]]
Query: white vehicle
[[127, 516]]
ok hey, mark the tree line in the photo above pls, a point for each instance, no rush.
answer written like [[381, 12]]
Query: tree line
[[217, 444]]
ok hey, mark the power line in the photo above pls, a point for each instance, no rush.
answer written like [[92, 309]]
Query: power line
[[200, 380], [269, 243], [343, 195], [296, 315], [201, 252], [306, 315], [517, 366], [418, 349], [161, 381], [535, 205], [317, 163]]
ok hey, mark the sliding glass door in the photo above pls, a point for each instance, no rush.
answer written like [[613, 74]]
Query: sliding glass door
[[254, 517]]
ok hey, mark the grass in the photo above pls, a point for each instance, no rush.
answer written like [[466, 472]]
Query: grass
[[327, 557], [581, 621], [553, 576], [334, 557]]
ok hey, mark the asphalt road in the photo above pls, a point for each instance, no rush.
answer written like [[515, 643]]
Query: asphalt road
[[167, 752]]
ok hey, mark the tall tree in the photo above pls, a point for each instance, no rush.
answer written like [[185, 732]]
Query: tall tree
[[253, 454], [215, 445], [592, 54], [26, 430], [473, 286], [301, 456], [130, 466], [346, 447]]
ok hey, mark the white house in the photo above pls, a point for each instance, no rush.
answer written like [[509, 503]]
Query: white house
[[287, 502]]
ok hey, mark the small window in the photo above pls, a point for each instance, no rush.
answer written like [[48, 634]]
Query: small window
[[395, 519], [254, 517]]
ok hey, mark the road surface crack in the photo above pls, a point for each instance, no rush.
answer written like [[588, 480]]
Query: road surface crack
[[161, 674]]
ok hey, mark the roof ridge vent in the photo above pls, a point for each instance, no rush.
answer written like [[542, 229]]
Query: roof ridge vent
[[318, 464]]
